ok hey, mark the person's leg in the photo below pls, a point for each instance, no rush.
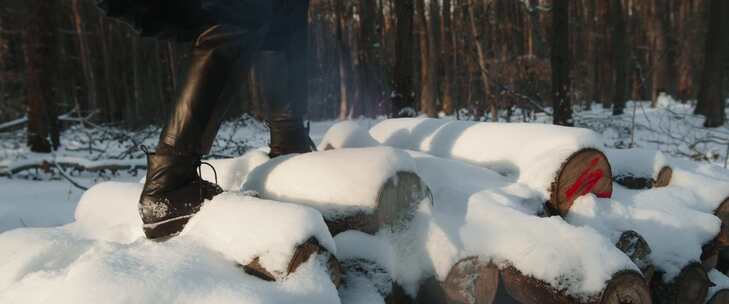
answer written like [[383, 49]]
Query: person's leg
[[287, 43], [174, 191]]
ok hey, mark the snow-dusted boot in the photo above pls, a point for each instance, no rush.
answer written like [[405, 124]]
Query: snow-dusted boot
[[172, 194]]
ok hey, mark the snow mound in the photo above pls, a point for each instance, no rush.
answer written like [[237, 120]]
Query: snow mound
[[338, 182], [54, 265], [237, 226], [347, 134], [233, 172], [529, 153], [674, 232], [710, 191], [104, 250], [636, 162]]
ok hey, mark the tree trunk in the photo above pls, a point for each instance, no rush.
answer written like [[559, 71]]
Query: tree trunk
[[449, 63], [87, 68], [345, 62], [620, 56], [427, 88], [560, 64], [402, 95], [711, 102], [483, 67], [661, 50], [39, 43]]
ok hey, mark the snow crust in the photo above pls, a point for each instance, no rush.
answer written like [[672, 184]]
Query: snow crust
[[337, 183], [238, 226], [45, 265], [636, 162], [233, 172], [711, 192], [347, 134], [529, 153], [674, 231], [89, 260]]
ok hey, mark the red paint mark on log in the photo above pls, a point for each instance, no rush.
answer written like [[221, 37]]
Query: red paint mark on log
[[587, 182]]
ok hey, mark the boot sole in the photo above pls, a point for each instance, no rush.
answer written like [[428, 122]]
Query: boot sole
[[165, 230]]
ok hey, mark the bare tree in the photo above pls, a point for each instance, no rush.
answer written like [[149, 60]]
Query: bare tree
[[711, 101], [560, 64], [39, 64], [620, 55]]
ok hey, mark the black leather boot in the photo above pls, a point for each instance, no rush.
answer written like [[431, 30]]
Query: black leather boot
[[172, 194]]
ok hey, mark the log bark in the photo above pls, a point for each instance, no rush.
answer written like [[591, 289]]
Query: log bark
[[302, 254], [586, 171], [690, 287], [470, 281], [397, 201], [660, 180], [624, 287]]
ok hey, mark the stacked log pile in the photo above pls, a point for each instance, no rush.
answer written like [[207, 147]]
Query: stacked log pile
[[577, 167]]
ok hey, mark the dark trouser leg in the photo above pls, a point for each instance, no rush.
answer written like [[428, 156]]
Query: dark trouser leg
[[217, 55], [287, 45]]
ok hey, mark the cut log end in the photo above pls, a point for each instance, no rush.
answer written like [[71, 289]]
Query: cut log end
[[586, 171], [397, 202], [720, 297], [302, 254], [626, 287], [690, 287], [469, 282], [663, 179], [637, 249]]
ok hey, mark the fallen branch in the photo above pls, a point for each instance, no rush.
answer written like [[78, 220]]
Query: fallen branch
[[45, 165], [69, 179]]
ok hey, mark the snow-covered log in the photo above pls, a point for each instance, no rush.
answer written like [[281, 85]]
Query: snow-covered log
[[639, 168], [238, 226], [562, 163], [691, 286], [623, 287], [355, 189], [470, 281]]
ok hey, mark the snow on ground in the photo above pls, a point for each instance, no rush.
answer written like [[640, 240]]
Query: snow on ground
[[87, 252], [104, 250]]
